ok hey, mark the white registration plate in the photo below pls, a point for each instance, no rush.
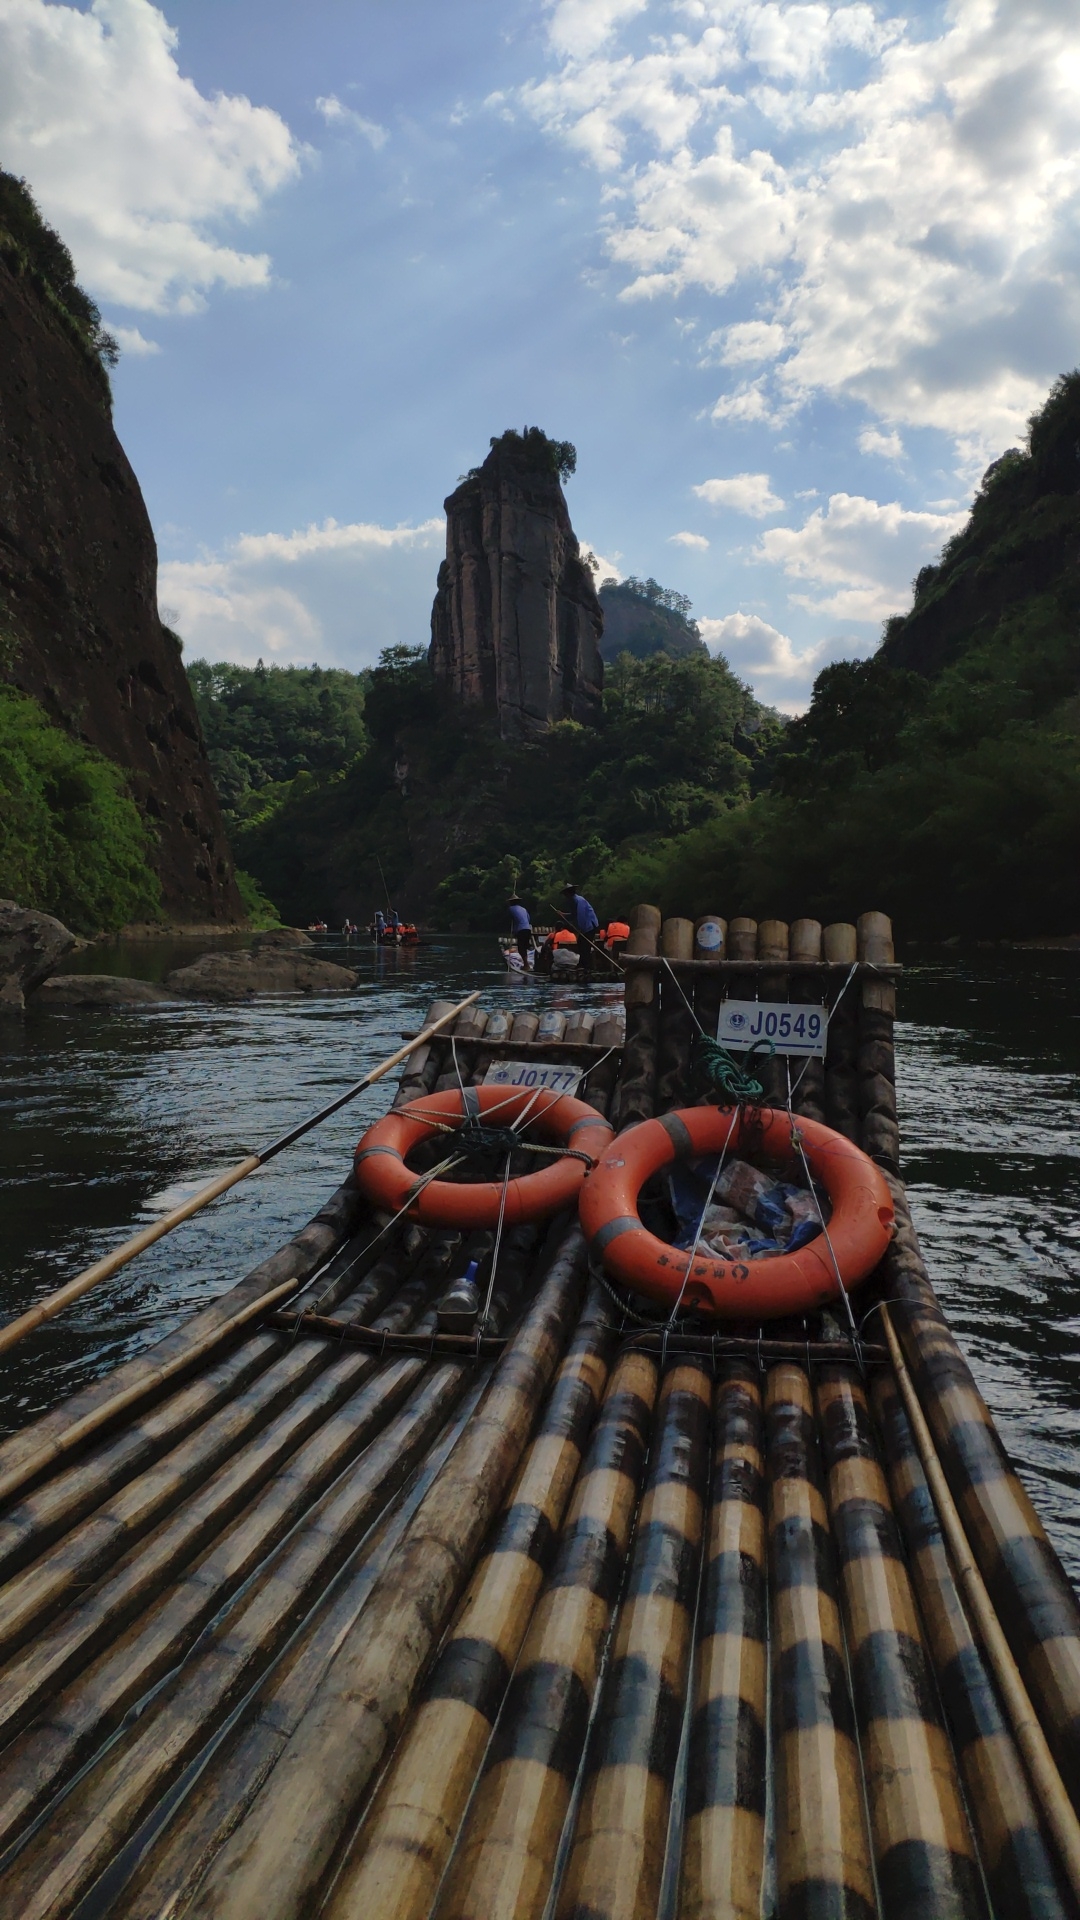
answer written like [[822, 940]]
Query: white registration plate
[[526, 1073], [792, 1029]]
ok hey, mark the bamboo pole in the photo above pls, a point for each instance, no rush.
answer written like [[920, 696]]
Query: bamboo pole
[[1017, 1857], [177, 1605], [506, 1857], [187, 1495], [923, 1850], [65, 1855], [723, 1856], [616, 1866], [399, 1856], [234, 1773], [1050, 1794], [277, 1859], [822, 1849], [103, 1269], [1032, 1595]]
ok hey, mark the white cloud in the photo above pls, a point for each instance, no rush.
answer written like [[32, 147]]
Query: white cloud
[[130, 340], [859, 556], [339, 593], [750, 405], [337, 114], [694, 540], [580, 27], [136, 168], [899, 197], [779, 674], [888, 445], [746, 344], [744, 492]]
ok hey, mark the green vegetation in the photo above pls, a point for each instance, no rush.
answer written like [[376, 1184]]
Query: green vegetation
[[641, 618], [71, 838], [266, 727], [448, 809], [938, 780], [260, 911], [949, 797], [30, 247], [535, 449]]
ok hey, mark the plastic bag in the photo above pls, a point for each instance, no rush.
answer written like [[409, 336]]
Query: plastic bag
[[752, 1194]]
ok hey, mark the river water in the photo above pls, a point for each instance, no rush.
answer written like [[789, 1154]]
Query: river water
[[109, 1118]]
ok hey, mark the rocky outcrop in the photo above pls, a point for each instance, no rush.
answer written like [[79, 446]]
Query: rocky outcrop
[[31, 945], [79, 626], [516, 623], [282, 961], [640, 622], [99, 990]]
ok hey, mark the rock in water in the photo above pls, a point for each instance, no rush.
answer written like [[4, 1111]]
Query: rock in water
[[516, 623], [237, 976], [31, 945], [99, 990]]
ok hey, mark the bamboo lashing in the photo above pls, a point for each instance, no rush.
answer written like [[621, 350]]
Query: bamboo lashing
[[1049, 1788], [102, 1269]]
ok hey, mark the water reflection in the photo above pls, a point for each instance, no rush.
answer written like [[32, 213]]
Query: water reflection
[[110, 1117]]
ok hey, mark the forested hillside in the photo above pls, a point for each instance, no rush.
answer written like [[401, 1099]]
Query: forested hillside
[[941, 778], [641, 618], [452, 816], [265, 726]]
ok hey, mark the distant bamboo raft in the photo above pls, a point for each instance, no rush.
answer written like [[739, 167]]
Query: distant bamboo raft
[[310, 1611]]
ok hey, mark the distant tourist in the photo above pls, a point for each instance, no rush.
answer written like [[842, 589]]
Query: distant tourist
[[615, 935], [380, 923], [521, 928]]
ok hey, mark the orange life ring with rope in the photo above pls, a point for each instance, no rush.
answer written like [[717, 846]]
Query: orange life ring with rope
[[859, 1229], [577, 1130]]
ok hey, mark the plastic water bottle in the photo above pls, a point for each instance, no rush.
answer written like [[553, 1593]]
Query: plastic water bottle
[[459, 1308]]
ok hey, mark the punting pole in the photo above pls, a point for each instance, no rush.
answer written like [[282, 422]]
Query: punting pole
[[1049, 1788], [74, 1289]]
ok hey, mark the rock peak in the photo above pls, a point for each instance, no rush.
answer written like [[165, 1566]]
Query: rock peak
[[516, 623]]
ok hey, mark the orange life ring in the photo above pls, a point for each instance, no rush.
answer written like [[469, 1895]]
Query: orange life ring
[[860, 1226], [384, 1177]]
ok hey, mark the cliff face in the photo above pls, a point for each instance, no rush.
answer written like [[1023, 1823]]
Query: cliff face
[[516, 623], [79, 627], [1021, 544]]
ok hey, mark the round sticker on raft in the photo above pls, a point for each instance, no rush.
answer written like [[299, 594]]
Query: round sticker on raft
[[710, 936]]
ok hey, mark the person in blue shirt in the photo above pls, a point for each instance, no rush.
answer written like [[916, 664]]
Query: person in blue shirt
[[521, 928], [380, 923], [579, 913]]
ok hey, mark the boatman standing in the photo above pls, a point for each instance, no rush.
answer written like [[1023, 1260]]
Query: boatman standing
[[521, 928], [579, 913]]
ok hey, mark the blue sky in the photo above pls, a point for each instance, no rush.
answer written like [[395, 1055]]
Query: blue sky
[[789, 276]]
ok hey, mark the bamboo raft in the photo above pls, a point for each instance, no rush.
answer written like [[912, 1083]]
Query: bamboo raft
[[310, 1609]]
